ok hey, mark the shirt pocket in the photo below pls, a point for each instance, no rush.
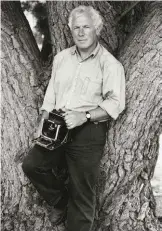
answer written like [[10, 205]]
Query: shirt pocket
[[91, 90]]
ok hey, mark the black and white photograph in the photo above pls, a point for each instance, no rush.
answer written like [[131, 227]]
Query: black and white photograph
[[81, 143]]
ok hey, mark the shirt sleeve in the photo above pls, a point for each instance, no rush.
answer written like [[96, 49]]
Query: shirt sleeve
[[113, 89], [50, 97]]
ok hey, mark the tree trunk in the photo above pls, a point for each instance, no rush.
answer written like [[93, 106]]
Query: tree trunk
[[21, 97], [125, 200], [58, 12], [124, 195]]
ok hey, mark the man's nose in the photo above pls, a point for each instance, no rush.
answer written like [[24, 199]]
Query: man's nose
[[81, 31]]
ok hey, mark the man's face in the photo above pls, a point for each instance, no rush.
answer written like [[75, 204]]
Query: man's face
[[83, 32]]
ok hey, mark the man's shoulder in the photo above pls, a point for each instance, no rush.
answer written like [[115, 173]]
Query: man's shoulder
[[107, 58], [63, 53]]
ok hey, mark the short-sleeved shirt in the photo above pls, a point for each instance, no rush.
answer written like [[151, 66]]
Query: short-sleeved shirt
[[82, 85]]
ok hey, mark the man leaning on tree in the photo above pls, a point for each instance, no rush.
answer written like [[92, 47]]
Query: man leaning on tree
[[88, 84]]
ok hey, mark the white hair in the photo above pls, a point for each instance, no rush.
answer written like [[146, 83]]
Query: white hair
[[94, 15]]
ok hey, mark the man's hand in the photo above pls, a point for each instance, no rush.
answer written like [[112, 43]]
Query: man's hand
[[38, 130], [39, 124], [74, 118]]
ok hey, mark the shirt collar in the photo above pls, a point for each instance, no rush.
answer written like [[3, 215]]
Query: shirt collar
[[94, 52]]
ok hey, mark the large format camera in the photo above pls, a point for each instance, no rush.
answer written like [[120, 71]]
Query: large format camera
[[54, 131]]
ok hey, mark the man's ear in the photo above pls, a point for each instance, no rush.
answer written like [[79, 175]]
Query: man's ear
[[98, 32]]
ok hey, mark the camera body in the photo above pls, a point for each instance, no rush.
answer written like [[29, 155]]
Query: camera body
[[54, 131]]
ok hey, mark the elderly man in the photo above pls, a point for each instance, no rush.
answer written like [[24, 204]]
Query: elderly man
[[88, 84]]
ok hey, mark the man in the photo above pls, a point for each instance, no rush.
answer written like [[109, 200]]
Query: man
[[88, 84]]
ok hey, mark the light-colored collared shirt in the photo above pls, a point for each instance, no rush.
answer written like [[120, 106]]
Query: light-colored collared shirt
[[82, 85]]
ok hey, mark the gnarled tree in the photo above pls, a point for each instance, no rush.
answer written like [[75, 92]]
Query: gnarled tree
[[124, 194]]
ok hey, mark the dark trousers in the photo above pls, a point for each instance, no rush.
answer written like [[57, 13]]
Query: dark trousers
[[82, 154]]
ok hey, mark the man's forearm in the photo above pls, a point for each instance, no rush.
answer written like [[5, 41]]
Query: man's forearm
[[98, 114]]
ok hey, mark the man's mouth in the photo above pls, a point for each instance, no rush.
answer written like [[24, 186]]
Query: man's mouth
[[83, 40]]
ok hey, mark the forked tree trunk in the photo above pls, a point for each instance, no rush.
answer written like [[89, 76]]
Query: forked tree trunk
[[124, 195]]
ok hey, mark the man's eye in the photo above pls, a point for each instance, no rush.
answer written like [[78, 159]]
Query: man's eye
[[75, 28], [86, 27]]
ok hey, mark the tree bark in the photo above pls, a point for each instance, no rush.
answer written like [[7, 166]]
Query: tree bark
[[125, 198], [21, 96], [124, 195]]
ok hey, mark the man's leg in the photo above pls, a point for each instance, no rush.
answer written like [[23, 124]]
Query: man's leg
[[38, 166], [83, 158]]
